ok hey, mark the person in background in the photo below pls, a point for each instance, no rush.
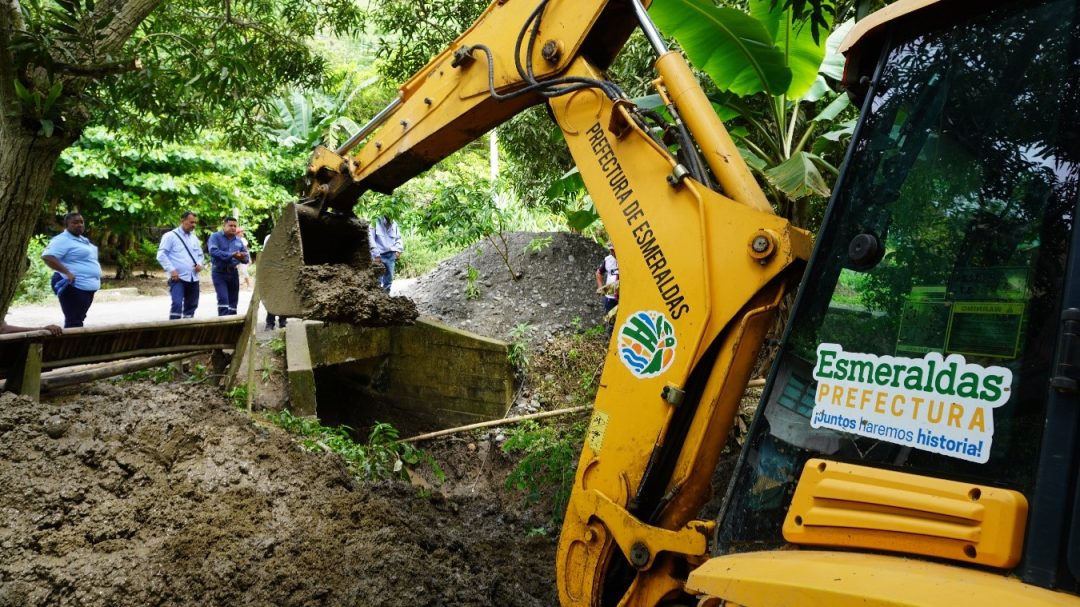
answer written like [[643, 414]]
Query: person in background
[[270, 318], [77, 273], [245, 276], [607, 277], [384, 236], [180, 255], [227, 252]]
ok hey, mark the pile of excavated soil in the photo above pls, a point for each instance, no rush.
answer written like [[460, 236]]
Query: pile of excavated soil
[[145, 494], [555, 290]]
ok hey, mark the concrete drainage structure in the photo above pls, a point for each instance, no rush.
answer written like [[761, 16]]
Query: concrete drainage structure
[[425, 375]]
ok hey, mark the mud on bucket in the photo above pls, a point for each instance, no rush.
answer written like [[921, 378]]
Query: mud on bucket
[[303, 238]]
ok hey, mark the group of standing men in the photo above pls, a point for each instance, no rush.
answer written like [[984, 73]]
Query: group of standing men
[[77, 274], [181, 256]]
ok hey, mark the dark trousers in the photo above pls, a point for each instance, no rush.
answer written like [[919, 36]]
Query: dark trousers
[[270, 318], [227, 287], [75, 302], [185, 298], [609, 303]]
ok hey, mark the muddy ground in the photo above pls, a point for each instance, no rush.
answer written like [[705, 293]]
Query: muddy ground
[[164, 494]]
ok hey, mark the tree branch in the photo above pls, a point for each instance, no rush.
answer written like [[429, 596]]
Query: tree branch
[[103, 69], [129, 16]]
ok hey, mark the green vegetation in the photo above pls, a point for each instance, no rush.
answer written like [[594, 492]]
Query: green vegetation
[[277, 345], [158, 375], [238, 395], [517, 352], [537, 244], [471, 290], [35, 286], [549, 456], [381, 457]]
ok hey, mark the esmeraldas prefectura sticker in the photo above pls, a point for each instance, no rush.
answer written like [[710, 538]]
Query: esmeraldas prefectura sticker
[[940, 404]]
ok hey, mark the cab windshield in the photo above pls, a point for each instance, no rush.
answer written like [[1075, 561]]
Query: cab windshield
[[923, 338]]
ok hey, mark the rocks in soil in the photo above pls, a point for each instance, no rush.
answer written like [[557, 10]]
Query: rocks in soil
[[556, 288]]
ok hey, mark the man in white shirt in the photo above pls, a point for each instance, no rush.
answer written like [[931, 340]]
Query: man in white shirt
[[180, 255], [384, 236]]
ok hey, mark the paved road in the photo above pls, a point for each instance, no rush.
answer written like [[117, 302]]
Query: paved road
[[129, 309]]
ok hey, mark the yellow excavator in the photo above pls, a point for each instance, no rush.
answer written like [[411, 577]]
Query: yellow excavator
[[916, 442]]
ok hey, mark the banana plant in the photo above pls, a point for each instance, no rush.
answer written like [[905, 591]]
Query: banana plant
[[769, 71], [309, 118]]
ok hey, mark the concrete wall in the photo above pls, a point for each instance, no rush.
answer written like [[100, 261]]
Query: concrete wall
[[427, 370]]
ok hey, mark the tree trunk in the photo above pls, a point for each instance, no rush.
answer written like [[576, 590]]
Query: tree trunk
[[26, 170]]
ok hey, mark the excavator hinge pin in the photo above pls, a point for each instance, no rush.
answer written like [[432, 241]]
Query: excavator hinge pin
[[404, 124], [639, 555], [427, 101]]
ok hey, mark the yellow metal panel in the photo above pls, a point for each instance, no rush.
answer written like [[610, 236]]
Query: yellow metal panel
[[843, 579], [839, 504]]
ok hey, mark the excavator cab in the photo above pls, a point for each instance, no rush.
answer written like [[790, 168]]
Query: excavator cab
[[924, 401]]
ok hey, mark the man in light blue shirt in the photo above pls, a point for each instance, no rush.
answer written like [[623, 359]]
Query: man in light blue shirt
[[78, 273], [180, 255], [384, 236], [227, 252]]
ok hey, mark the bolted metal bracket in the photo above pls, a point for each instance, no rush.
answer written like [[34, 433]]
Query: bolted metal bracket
[[463, 57], [677, 175], [673, 395]]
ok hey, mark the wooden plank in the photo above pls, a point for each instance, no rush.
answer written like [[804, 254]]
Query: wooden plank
[[70, 362], [246, 341], [59, 379], [26, 375]]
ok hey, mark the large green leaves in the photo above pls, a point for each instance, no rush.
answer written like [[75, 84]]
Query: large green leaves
[[798, 177], [803, 54], [733, 48]]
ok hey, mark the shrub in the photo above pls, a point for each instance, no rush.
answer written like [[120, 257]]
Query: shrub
[[549, 462], [35, 287]]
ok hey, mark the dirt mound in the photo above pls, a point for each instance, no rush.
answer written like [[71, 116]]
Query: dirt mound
[[145, 494], [556, 286]]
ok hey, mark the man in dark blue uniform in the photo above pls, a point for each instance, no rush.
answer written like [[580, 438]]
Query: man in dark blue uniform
[[227, 251]]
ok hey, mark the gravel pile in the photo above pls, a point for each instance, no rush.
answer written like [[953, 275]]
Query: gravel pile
[[555, 288]]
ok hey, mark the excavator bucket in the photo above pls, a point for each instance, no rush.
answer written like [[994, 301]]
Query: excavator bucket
[[304, 238]]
